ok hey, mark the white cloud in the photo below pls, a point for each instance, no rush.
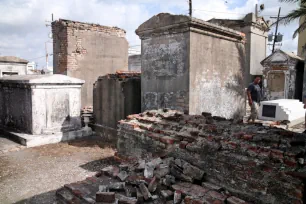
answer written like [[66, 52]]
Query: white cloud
[[23, 32]]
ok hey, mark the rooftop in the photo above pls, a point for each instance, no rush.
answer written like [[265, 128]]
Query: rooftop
[[71, 23], [165, 23], [13, 59], [40, 79]]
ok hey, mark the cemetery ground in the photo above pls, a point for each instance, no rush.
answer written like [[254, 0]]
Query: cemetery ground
[[32, 175]]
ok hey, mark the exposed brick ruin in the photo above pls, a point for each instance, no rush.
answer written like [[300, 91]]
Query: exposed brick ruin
[[255, 163], [154, 181], [86, 51]]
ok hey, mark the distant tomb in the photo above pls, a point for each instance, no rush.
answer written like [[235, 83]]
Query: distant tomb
[[41, 109]]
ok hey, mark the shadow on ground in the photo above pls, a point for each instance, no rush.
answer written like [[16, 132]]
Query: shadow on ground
[[92, 141], [44, 198], [97, 165]]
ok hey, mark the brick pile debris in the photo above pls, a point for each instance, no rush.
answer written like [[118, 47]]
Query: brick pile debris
[[255, 163], [124, 75], [155, 181]]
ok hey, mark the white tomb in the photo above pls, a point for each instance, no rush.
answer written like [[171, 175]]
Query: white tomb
[[41, 109], [282, 110]]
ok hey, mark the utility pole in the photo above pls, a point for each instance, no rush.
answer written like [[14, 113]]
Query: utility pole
[[275, 36], [190, 8], [47, 55]]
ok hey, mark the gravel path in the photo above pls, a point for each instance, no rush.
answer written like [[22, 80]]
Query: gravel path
[[32, 175]]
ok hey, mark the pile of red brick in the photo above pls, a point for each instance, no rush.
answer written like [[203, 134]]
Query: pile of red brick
[[255, 163], [156, 181]]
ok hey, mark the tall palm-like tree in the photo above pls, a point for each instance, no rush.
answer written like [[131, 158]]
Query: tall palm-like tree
[[295, 14]]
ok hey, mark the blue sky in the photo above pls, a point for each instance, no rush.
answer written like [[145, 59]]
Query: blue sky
[[23, 32]]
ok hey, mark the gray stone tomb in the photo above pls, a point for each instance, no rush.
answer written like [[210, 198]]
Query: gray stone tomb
[[41, 109]]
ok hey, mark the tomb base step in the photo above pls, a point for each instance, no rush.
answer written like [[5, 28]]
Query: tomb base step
[[29, 140]]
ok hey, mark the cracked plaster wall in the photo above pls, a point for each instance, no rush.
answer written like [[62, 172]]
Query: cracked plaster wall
[[165, 72], [216, 76]]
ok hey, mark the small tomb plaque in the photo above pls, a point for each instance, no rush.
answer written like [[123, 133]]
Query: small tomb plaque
[[269, 111]]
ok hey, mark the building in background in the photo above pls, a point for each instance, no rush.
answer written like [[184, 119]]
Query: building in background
[[135, 63], [10, 65], [283, 76], [256, 33], [87, 51]]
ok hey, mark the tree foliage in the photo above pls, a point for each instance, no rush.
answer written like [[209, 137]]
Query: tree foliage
[[295, 14]]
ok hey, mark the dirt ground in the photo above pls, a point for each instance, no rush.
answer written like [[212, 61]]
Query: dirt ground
[[33, 175]]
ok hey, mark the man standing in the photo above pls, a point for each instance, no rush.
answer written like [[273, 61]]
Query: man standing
[[254, 96]]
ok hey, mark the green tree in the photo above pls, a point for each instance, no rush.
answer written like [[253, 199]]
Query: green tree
[[296, 14]]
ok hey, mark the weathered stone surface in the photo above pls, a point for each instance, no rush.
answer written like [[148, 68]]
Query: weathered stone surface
[[111, 171], [152, 185], [122, 175], [130, 191], [178, 173], [192, 171], [167, 194], [190, 189], [162, 170], [116, 186], [144, 191], [125, 200], [140, 197], [211, 186], [103, 188], [235, 200], [177, 197]]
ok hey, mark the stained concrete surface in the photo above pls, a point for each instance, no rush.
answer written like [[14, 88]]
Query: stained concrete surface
[[33, 175], [7, 145]]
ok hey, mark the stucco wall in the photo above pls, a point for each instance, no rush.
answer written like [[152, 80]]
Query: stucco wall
[[216, 76], [13, 67], [87, 51], [165, 72]]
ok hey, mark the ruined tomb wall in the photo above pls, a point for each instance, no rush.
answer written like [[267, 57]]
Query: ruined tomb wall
[[217, 76], [165, 71], [86, 51], [15, 107], [114, 99], [252, 163]]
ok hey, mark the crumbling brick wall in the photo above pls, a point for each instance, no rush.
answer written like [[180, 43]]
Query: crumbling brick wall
[[258, 164], [86, 51]]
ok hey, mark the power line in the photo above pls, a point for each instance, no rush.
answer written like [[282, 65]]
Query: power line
[[40, 57]]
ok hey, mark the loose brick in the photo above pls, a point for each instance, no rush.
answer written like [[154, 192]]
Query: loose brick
[[235, 200], [107, 197], [183, 144], [167, 140]]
